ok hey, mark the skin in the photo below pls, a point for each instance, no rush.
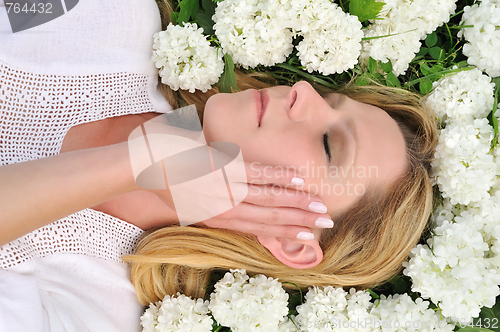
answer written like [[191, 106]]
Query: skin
[[366, 148], [291, 134]]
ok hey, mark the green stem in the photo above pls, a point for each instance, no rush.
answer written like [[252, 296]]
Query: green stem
[[441, 73]]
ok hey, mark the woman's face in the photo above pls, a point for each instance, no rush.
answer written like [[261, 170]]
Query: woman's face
[[339, 146]]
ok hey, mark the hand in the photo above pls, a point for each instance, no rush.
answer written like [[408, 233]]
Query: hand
[[274, 206]]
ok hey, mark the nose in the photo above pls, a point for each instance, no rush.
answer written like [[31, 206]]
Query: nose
[[302, 100]]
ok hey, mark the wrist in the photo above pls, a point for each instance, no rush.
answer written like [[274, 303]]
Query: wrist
[[119, 158]]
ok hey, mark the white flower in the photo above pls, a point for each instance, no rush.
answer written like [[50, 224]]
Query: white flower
[[460, 273], [411, 20], [249, 304], [400, 313], [185, 58], [460, 96], [484, 38], [251, 32], [463, 168], [177, 314], [334, 45], [329, 308]]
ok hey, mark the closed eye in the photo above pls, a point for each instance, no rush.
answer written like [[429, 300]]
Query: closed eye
[[327, 147]]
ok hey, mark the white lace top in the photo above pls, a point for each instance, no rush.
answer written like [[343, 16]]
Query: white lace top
[[90, 64]]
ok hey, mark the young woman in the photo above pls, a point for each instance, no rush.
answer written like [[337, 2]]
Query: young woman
[[71, 92]]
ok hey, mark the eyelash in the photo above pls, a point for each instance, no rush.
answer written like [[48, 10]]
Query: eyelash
[[327, 146]]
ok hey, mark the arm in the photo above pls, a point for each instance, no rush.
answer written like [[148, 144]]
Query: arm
[[36, 193]]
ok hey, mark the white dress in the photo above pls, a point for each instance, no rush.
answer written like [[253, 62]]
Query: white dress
[[90, 64]]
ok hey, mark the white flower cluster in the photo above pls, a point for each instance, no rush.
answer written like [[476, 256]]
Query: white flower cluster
[[247, 304], [467, 93], [251, 33], [328, 308], [457, 268], [177, 314], [484, 38], [460, 271], [257, 32], [185, 58], [463, 167], [410, 21]]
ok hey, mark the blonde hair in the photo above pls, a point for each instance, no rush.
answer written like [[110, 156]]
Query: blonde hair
[[365, 248]]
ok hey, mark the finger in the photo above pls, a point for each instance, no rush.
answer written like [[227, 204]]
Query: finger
[[265, 174], [278, 216], [284, 197], [249, 227]]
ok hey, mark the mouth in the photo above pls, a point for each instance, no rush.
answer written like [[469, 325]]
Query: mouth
[[262, 100]]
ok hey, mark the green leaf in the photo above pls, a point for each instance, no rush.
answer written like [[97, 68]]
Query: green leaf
[[392, 80], [386, 66], [189, 9], [435, 52], [423, 51], [425, 86], [489, 318], [174, 16], [363, 80], [227, 81], [377, 77], [373, 294], [365, 9], [473, 329], [372, 65], [204, 17], [208, 6], [494, 123], [431, 40], [204, 20], [424, 69], [437, 68]]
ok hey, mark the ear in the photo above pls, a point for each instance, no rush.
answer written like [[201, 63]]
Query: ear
[[298, 254]]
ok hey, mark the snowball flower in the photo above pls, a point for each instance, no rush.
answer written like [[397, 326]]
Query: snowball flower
[[249, 304], [484, 37], [329, 308], [461, 96], [410, 21], [458, 274], [463, 167], [185, 58], [334, 46], [251, 32], [177, 314], [399, 312]]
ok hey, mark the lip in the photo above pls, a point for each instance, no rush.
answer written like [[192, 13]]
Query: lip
[[262, 99]]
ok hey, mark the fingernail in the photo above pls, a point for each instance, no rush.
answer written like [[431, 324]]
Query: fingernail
[[298, 181], [318, 207], [324, 222], [305, 236]]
